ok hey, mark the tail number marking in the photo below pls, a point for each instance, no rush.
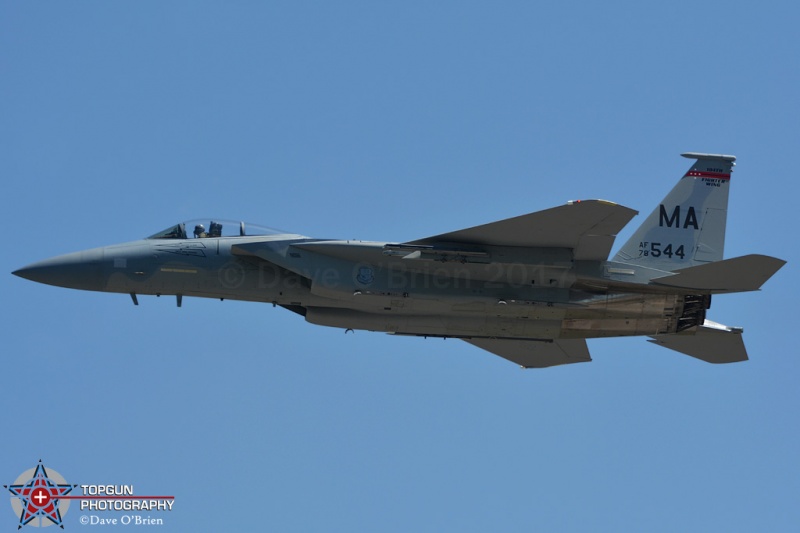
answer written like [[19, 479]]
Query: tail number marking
[[656, 249]]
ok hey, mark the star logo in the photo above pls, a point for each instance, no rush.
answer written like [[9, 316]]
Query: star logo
[[37, 494]]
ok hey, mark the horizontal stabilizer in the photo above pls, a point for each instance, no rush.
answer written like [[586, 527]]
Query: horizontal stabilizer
[[536, 354], [588, 227], [711, 342], [740, 274]]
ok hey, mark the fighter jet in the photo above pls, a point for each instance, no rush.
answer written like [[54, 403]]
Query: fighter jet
[[530, 289]]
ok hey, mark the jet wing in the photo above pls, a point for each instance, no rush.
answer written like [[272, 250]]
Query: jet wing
[[536, 354], [588, 227]]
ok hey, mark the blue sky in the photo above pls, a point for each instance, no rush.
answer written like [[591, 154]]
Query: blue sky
[[390, 121]]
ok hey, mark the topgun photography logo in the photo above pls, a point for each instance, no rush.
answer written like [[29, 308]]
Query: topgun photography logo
[[39, 501], [41, 497]]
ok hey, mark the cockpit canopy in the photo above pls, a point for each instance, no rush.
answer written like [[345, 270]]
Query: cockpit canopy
[[215, 227]]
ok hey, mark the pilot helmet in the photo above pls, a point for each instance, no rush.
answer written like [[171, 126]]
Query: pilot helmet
[[199, 229]]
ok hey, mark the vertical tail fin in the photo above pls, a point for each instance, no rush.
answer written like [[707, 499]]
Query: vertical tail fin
[[688, 226]]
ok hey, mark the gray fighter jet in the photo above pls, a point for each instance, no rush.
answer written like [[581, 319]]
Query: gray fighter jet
[[530, 289]]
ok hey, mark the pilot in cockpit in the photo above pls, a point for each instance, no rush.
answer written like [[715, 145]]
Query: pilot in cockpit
[[215, 230]]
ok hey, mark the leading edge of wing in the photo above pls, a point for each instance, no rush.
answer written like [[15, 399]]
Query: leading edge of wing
[[536, 354], [588, 227]]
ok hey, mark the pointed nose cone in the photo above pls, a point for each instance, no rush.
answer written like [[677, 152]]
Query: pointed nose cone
[[79, 270]]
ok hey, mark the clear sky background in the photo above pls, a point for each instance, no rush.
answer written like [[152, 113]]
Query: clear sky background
[[391, 121]]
